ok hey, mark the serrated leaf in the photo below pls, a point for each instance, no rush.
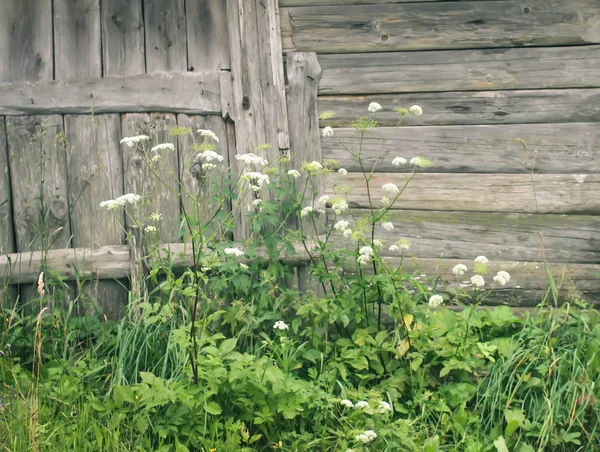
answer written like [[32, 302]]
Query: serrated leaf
[[213, 408]]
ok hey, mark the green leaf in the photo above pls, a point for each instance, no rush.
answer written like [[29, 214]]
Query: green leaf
[[213, 408], [500, 444], [514, 420], [228, 345]]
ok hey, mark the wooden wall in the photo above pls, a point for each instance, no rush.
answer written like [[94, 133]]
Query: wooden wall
[[490, 75]]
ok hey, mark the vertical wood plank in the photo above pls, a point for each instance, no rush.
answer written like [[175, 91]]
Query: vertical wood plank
[[77, 39], [140, 179], [95, 170], [200, 185], [122, 37], [207, 35], [303, 74], [165, 35], [7, 243], [26, 40]]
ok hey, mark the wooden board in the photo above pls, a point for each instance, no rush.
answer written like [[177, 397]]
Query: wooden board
[[199, 186], [7, 243], [38, 182], [499, 236], [460, 70], [561, 148], [122, 38], [283, 3], [172, 92], [165, 32], [554, 193], [26, 40], [475, 107], [207, 35], [139, 179], [440, 25], [77, 40]]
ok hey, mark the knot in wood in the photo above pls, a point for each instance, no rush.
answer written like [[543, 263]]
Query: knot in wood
[[385, 37], [246, 103], [59, 210], [196, 170]]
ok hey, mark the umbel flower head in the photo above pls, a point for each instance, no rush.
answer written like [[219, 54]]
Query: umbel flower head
[[435, 301], [162, 147], [502, 278], [459, 269], [129, 198], [209, 156], [233, 252], [132, 141], [209, 134], [328, 131], [256, 180], [374, 107], [281, 325], [252, 159]]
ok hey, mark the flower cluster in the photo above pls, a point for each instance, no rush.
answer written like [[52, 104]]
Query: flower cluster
[[328, 131], [339, 206], [399, 161], [459, 269], [435, 301], [502, 278], [421, 162], [252, 159], [162, 147], [281, 325], [210, 156], [365, 255], [129, 198], [477, 281], [312, 167], [374, 107], [392, 188], [401, 245], [341, 225], [366, 437], [233, 252], [388, 226], [208, 134], [132, 141], [256, 180], [343, 171], [295, 174]]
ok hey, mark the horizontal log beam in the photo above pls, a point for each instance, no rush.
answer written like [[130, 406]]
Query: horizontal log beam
[[158, 92], [111, 262], [561, 148]]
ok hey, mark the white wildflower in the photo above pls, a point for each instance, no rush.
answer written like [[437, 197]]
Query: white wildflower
[[233, 251], [459, 269], [341, 225], [155, 158], [150, 228], [377, 244], [110, 204], [364, 259], [244, 266], [208, 166], [156, 216], [306, 210], [339, 206], [384, 407], [394, 248], [163, 146], [347, 233], [209, 134], [252, 159], [481, 260], [366, 250], [416, 110], [328, 131], [366, 437], [295, 174], [478, 281], [388, 225], [502, 278], [421, 162], [392, 188], [281, 325], [131, 141], [404, 244], [435, 301], [385, 200], [343, 171], [399, 161], [323, 199], [347, 403], [313, 166], [209, 156], [362, 404], [257, 202], [374, 107], [256, 180]]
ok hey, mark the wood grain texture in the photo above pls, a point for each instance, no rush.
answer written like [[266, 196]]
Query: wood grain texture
[[460, 70], [122, 38], [26, 40], [476, 107], [7, 237], [284, 3], [170, 92], [166, 35], [561, 148], [199, 185], [499, 236], [207, 35], [38, 182], [143, 180], [77, 40], [440, 25], [554, 193]]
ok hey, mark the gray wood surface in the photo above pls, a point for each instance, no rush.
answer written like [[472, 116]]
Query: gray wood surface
[[561, 148], [140, 179], [499, 236], [165, 32], [26, 40], [7, 244], [199, 186], [123, 38], [162, 92], [38, 182], [460, 70], [77, 40], [207, 35], [475, 107], [550, 193], [283, 3], [440, 25]]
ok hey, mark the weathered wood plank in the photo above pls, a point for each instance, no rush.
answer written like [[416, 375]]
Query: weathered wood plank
[[77, 40], [207, 35], [198, 185], [476, 107], [145, 181], [112, 261], [284, 3], [440, 25], [38, 182], [173, 92], [499, 236], [122, 38], [7, 238], [26, 40], [561, 148], [553, 193], [165, 35], [460, 70]]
